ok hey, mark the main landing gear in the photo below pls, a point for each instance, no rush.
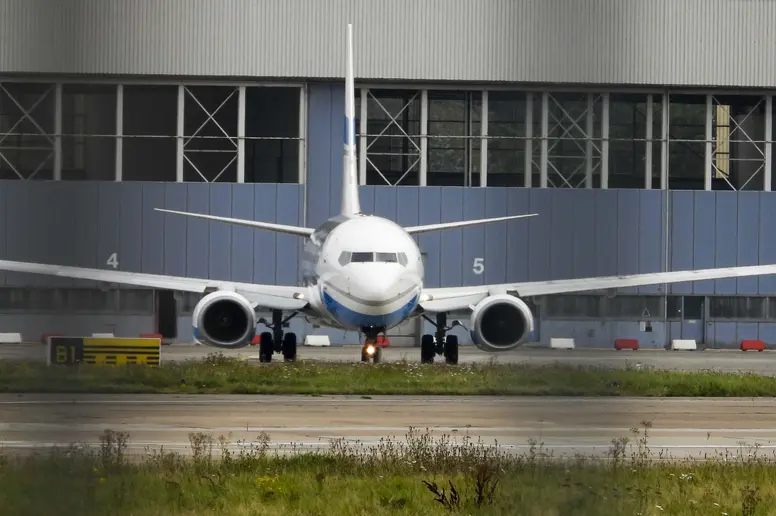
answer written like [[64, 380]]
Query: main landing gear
[[371, 351], [439, 343], [276, 341]]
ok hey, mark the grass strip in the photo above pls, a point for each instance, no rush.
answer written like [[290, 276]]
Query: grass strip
[[217, 374], [421, 475]]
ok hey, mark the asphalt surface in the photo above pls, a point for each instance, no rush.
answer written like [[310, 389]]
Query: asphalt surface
[[715, 360], [681, 428]]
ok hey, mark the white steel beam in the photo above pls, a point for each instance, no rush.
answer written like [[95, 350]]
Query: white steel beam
[[589, 141], [58, 132], [605, 141], [423, 175], [302, 158], [362, 127], [648, 144], [528, 158], [119, 158], [664, 120], [708, 146], [484, 140], [543, 160], [180, 134], [768, 143], [241, 135]]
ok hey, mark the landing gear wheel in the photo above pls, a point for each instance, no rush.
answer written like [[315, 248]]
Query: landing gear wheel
[[451, 349], [266, 347], [427, 349], [289, 347], [378, 355]]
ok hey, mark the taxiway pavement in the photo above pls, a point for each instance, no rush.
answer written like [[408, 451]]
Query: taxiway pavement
[[714, 360], [700, 427]]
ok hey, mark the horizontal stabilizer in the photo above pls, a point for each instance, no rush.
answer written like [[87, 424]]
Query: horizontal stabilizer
[[414, 230], [269, 226]]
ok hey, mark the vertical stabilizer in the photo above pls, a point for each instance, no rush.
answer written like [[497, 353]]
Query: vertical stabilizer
[[350, 202]]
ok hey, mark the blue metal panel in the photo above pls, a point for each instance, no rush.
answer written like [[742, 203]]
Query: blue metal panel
[[681, 224], [725, 240], [366, 195], [496, 236], [746, 331], [584, 232], [83, 222], [452, 249], [767, 334], [767, 239], [703, 257], [517, 248], [606, 232], [152, 224], [174, 230], [562, 234], [473, 238], [265, 242], [748, 235], [656, 339], [108, 225], [220, 240], [430, 205], [131, 228], [321, 151], [337, 137], [197, 230], [674, 331], [407, 207], [287, 257], [242, 237], [54, 228], [651, 236], [385, 202], [693, 329], [721, 334], [539, 232], [628, 215]]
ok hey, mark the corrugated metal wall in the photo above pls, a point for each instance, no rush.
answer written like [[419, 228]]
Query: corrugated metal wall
[[662, 42]]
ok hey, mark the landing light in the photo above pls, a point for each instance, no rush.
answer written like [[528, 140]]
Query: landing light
[[370, 350]]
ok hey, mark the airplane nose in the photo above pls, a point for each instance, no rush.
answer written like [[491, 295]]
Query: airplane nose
[[377, 285]]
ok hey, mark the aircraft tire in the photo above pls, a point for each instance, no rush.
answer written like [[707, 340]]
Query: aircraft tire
[[427, 349], [289, 347], [451, 349], [266, 347], [378, 356]]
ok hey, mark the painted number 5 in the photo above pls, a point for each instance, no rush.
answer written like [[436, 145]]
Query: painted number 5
[[113, 260], [479, 266]]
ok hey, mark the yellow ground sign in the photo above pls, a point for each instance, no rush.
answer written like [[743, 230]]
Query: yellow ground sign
[[103, 350]]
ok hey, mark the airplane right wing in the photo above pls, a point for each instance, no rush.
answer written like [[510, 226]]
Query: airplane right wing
[[256, 224], [459, 298], [270, 297]]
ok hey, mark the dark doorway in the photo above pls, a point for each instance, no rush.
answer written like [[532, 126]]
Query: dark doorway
[[166, 314]]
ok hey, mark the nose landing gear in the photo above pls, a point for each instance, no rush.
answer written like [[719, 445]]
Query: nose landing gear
[[371, 351], [439, 343], [276, 341]]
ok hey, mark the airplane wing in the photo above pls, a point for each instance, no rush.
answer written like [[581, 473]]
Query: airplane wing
[[414, 230], [459, 298], [277, 297], [269, 226]]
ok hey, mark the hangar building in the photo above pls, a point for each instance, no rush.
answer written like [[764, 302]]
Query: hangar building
[[640, 130]]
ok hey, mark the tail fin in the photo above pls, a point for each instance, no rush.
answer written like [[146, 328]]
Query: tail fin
[[350, 199]]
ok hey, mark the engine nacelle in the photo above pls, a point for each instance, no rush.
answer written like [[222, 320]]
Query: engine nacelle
[[500, 323], [224, 319]]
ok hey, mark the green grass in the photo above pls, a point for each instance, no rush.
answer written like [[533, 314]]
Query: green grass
[[217, 374], [396, 478]]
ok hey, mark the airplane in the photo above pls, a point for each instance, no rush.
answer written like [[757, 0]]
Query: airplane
[[365, 273]]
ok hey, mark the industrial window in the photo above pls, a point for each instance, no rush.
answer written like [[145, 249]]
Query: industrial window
[[635, 307], [737, 307], [573, 306]]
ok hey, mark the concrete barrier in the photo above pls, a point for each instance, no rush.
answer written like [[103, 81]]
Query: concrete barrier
[[752, 345], [558, 343], [10, 338], [317, 340], [620, 344], [684, 345]]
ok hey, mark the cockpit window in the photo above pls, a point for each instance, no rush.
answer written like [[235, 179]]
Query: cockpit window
[[362, 257], [386, 257]]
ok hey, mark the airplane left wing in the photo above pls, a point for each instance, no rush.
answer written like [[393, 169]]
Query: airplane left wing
[[277, 297], [459, 298]]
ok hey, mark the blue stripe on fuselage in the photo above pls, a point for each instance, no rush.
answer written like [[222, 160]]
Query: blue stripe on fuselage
[[354, 319]]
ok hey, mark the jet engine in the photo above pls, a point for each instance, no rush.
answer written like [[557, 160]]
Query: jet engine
[[224, 319], [500, 323]]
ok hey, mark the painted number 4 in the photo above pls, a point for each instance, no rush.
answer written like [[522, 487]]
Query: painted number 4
[[479, 266], [113, 260]]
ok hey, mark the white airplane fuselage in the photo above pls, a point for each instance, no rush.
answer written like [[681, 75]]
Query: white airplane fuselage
[[362, 272]]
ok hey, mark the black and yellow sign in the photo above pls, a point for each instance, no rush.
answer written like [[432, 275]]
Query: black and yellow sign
[[103, 351]]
